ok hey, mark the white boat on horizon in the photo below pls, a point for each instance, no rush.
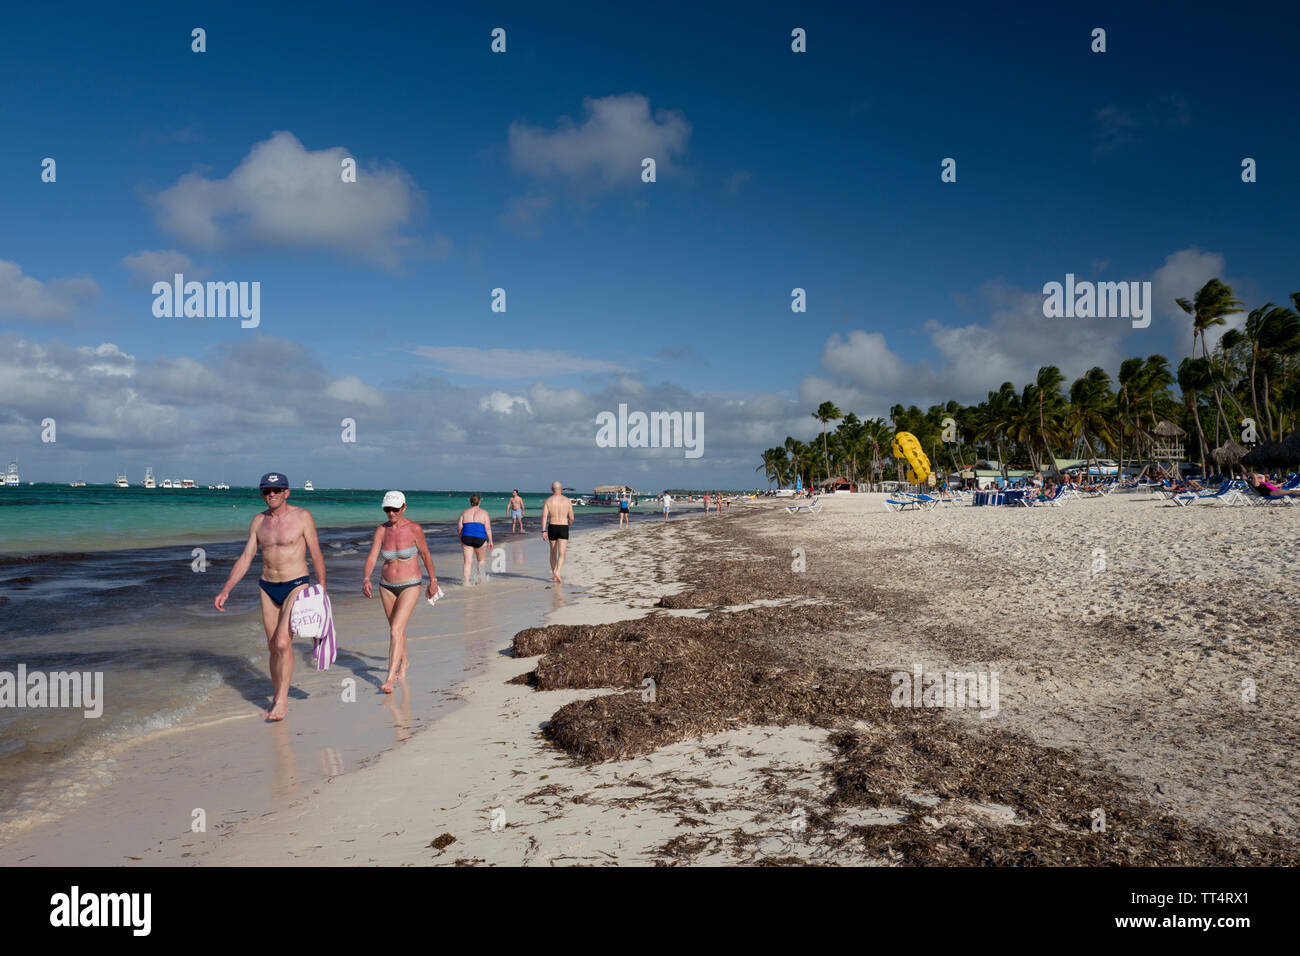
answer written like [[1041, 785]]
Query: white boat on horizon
[[148, 478], [121, 482], [222, 486], [11, 475], [166, 482], [187, 483], [307, 486]]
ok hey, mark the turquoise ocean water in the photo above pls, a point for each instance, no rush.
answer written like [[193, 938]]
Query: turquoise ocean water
[[54, 518]]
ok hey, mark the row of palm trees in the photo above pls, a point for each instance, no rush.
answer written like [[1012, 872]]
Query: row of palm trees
[[1252, 373]]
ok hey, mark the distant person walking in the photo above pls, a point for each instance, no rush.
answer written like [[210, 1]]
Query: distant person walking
[[516, 507], [624, 508], [398, 540], [475, 530], [285, 533], [557, 516], [668, 504]]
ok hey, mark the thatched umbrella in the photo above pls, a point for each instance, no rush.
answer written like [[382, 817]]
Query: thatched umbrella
[[1167, 429], [1276, 454], [1228, 454]]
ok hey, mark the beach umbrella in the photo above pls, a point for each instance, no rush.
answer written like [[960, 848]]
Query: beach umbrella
[[1276, 454], [1227, 454]]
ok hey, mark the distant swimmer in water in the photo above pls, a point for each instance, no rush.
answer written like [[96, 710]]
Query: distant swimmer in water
[[285, 533], [475, 530], [516, 507], [624, 508], [398, 540], [557, 516]]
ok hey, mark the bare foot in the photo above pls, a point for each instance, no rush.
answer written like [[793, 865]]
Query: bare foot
[[278, 709], [557, 578], [387, 686]]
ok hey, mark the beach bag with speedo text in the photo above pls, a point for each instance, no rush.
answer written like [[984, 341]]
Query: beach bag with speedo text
[[312, 617]]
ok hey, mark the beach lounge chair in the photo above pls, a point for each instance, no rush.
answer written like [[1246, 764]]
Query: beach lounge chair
[[811, 507], [1056, 499], [1228, 494], [1254, 497], [910, 502]]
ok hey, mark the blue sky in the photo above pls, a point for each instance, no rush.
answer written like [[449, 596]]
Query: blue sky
[[521, 170]]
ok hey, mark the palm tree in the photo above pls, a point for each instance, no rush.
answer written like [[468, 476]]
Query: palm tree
[[1232, 343], [1000, 412], [1212, 303], [1194, 374], [1047, 391], [1276, 334], [773, 463], [849, 434], [1156, 380], [827, 412], [1090, 401], [1130, 372]]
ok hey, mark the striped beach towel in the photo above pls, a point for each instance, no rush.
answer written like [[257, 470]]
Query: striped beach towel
[[313, 617]]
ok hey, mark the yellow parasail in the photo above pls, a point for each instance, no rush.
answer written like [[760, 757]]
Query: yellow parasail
[[908, 449]]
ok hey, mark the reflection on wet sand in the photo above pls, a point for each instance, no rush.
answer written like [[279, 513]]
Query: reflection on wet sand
[[284, 765], [331, 763], [398, 704]]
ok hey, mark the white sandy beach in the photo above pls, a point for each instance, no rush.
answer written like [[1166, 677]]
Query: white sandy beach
[[1139, 666]]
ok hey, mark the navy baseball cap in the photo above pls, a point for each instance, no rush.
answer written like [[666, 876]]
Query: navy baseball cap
[[273, 479]]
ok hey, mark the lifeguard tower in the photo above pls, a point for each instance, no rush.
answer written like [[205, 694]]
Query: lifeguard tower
[[1167, 445]]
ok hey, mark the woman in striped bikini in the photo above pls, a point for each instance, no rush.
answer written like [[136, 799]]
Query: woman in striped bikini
[[398, 541]]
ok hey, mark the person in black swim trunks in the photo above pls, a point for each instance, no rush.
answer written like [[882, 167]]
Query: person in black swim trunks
[[624, 508], [286, 534], [557, 515], [475, 530]]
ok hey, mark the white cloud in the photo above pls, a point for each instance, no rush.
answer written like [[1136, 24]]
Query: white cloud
[[282, 194], [1182, 276], [352, 389], [22, 297], [550, 401], [606, 150], [503, 404], [150, 266], [865, 359], [506, 364]]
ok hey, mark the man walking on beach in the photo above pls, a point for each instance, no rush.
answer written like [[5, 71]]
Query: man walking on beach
[[285, 534], [516, 507], [557, 515], [668, 504]]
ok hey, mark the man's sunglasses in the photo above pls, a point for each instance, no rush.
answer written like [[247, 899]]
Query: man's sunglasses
[[392, 511], [267, 492]]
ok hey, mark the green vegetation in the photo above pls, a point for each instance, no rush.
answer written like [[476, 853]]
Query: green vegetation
[[1253, 372]]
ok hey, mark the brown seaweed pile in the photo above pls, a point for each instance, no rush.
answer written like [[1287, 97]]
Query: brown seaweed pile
[[687, 677], [708, 678]]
